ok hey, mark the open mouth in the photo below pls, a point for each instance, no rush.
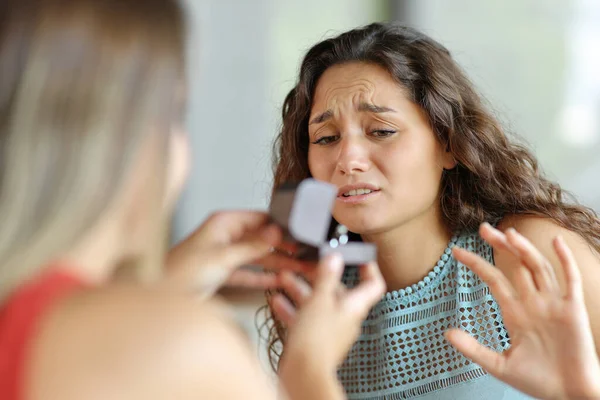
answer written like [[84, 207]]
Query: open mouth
[[358, 192]]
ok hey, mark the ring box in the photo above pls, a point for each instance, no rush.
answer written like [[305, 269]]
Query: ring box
[[304, 212]]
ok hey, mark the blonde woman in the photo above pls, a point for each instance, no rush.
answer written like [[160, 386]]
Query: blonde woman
[[92, 159]]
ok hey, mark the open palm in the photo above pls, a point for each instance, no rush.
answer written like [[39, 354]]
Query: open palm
[[552, 354]]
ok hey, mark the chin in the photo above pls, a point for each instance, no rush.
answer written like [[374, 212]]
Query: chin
[[360, 224]]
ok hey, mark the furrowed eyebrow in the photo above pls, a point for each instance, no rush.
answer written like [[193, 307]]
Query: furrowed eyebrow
[[319, 119], [374, 109], [363, 107]]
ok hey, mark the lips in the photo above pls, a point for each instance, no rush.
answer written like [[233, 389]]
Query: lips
[[358, 193], [357, 189]]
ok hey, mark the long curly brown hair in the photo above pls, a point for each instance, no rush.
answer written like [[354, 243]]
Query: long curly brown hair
[[494, 176]]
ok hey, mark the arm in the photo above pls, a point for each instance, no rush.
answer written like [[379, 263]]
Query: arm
[[304, 378]]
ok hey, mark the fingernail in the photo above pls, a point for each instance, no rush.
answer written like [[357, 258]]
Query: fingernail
[[335, 260]]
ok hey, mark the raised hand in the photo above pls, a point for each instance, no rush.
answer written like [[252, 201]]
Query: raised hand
[[552, 353]]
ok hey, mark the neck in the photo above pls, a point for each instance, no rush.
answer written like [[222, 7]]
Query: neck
[[408, 252], [96, 256]]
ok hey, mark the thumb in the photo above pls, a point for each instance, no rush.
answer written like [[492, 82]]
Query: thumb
[[329, 273]]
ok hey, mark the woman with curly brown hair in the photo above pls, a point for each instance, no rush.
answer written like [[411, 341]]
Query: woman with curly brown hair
[[386, 114]]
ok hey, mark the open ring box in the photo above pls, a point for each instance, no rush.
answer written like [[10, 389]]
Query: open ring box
[[304, 213]]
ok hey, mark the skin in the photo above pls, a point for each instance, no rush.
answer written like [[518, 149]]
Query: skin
[[540, 317], [397, 152]]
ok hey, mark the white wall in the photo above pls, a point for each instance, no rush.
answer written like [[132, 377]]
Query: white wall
[[228, 116]]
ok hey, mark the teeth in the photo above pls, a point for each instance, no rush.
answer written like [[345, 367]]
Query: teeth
[[357, 192]]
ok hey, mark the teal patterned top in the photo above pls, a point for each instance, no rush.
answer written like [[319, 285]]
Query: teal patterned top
[[402, 354]]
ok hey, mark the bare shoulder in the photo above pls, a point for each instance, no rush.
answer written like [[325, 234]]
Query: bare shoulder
[[136, 343], [539, 227], [540, 232]]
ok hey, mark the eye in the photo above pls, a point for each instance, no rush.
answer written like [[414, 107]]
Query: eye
[[325, 140], [382, 133]]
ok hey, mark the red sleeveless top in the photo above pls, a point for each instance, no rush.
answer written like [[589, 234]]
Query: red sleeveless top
[[20, 315]]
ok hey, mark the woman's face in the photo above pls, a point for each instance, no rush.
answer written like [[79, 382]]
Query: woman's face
[[179, 157], [376, 146]]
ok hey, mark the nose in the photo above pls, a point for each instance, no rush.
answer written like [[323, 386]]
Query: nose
[[353, 156]]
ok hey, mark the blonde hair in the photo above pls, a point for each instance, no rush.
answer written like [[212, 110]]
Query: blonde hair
[[83, 84]]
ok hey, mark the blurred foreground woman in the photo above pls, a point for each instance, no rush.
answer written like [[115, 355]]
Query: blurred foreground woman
[[92, 159]]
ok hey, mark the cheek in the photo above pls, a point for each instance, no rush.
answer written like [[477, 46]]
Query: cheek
[[412, 168], [179, 163], [319, 164]]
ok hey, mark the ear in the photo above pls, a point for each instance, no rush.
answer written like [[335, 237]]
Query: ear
[[448, 160]]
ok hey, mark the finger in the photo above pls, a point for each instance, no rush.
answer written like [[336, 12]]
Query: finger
[[570, 268], [524, 282], [252, 279], [295, 287], [329, 274], [287, 248], [280, 262], [496, 238], [360, 299], [229, 226], [245, 251], [283, 310], [269, 234], [541, 270], [499, 285], [494, 363], [243, 218]]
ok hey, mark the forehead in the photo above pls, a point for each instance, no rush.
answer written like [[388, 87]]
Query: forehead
[[356, 81]]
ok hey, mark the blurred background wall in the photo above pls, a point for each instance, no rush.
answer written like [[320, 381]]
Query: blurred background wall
[[536, 61]]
